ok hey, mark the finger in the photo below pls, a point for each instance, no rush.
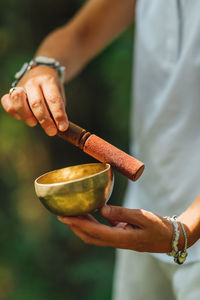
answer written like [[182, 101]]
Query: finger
[[19, 102], [91, 218], [79, 219], [112, 223], [121, 214], [125, 238], [122, 225], [96, 230], [8, 107], [87, 238], [63, 94], [110, 235], [55, 102], [39, 109]]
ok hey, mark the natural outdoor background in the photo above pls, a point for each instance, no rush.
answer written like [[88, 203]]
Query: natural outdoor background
[[39, 257]]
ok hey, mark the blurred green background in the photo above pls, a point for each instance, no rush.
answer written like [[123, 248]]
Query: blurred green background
[[39, 257]]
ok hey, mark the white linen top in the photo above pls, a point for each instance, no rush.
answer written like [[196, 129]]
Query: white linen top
[[166, 109]]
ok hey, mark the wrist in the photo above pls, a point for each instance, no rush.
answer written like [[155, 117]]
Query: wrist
[[36, 62], [192, 229], [178, 249], [191, 221]]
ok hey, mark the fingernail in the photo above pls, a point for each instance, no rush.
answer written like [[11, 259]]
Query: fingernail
[[51, 131], [106, 209], [63, 126], [17, 116], [31, 122], [64, 220]]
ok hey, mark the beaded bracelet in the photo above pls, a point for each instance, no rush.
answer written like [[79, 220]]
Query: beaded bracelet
[[37, 61], [175, 237], [179, 256]]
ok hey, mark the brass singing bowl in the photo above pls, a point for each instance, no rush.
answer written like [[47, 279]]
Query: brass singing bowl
[[75, 190]]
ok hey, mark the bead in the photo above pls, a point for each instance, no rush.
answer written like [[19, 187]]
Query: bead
[[181, 260]]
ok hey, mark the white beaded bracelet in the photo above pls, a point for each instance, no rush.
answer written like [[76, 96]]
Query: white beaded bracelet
[[37, 61], [179, 256], [175, 238], [182, 255]]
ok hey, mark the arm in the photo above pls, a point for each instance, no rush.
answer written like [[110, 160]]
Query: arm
[[136, 229], [191, 220], [92, 28], [73, 45]]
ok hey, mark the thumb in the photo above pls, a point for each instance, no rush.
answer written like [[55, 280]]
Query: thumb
[[122, 214]]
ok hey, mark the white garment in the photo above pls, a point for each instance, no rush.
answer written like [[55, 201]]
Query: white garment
[[140, 276], [166, 108]]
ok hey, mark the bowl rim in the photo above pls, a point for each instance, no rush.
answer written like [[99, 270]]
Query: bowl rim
[[108, 167]]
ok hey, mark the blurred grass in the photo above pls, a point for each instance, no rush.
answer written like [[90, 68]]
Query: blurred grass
[[39, 257]]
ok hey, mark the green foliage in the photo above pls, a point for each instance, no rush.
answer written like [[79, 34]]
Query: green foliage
[[39, 257]]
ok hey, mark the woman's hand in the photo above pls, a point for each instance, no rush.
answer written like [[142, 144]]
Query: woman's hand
[[42, 100], [133, 229]]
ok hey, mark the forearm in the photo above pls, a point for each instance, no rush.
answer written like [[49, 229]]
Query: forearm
[[96, 24], [191, 220], [73, 45]]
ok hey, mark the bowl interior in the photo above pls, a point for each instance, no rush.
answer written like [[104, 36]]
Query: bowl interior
[[74, 173]]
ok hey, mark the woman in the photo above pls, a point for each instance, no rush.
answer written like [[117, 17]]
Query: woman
[[165, 135]]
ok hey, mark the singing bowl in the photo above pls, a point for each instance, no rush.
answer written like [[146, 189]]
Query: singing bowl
[[75, 190]]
